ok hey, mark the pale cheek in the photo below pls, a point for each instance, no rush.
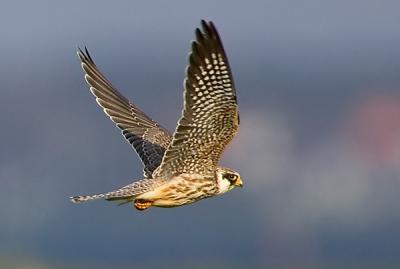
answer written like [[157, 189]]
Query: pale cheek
[[226, 186]]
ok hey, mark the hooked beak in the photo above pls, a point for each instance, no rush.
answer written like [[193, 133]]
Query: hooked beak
[[238, 183]]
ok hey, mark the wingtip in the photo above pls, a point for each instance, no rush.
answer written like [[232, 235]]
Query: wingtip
[[204, 23], [88, 54], [84, 54], [80, 54]]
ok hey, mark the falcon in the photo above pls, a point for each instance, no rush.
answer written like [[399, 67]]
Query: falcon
[[182, 168]]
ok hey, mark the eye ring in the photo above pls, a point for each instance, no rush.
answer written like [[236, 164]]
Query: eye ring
[[231, 177]]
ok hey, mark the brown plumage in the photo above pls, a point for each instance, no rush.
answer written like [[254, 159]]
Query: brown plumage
[[210, 117], [183, 168], [146, 136]]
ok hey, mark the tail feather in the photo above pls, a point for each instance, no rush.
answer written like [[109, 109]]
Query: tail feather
[[109, 196], [85, 198], [127, 193]]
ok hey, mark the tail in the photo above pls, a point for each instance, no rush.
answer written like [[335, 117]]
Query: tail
[[85, 198], [109, 196], [127, 193]]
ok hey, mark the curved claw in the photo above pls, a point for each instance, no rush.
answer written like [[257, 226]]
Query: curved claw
[[141, 204]]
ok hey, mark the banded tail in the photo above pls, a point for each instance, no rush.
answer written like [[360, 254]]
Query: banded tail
[[85, 198], [128, 193]]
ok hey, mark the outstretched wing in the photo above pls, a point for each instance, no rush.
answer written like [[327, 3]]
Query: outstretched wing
[[210, 116], [147, 137]]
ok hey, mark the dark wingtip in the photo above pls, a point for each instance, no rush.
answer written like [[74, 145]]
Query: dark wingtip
[[198, 34], [204, 24], [209, 29], [84, 55], [88, 55], [80, 53]]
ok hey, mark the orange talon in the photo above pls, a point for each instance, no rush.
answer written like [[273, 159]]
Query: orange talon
[[142, 204]]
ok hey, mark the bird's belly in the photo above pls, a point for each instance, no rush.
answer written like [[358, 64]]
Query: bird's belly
[[172, 202], [176, 193], [169, 203], [167, 199]]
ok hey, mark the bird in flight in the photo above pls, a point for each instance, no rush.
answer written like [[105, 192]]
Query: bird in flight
[[181, 168]]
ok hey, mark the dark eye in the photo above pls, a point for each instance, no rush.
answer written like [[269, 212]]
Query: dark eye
[[231, 177]]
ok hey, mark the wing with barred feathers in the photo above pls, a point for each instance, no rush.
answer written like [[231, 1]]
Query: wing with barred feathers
[[147, 137], [210, 117]]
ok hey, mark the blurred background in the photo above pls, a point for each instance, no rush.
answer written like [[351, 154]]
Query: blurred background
[[319, 145]]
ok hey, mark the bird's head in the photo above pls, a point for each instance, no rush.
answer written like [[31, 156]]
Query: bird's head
[[227, 179]]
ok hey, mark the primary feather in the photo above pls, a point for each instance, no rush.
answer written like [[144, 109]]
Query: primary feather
[[146, 136]]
